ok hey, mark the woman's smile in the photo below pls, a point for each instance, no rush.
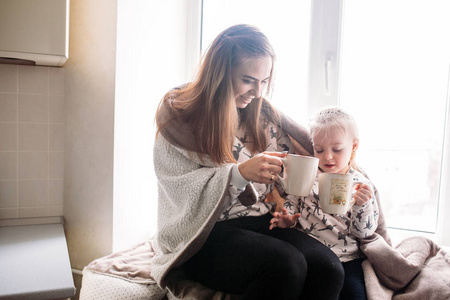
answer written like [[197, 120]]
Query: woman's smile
[[246, 100]]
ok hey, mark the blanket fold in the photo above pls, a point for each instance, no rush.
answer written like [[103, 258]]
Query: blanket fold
[[131, 264], [416, 268]]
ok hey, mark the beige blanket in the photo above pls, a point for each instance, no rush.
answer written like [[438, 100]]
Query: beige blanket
[[416, 268], [131, 264]]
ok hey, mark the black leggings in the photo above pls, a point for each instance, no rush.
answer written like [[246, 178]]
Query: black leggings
[[242, 256], [354, 287]]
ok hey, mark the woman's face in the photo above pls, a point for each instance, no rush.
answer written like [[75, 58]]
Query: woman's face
[[249, 79]]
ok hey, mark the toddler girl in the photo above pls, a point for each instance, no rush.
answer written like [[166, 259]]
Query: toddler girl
[[335, 139]]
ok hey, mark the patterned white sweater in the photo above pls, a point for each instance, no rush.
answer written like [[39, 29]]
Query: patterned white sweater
[[339, 232]]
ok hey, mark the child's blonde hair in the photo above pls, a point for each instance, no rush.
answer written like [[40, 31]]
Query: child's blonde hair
[[334, 117]]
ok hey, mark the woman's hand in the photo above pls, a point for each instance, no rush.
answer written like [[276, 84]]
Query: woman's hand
[[363, 194], [262, 168], [283, 219]]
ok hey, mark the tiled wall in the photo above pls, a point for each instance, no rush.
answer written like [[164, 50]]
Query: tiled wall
[[31, 141]]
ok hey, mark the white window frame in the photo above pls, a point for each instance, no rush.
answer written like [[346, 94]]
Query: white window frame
[[444, 193], [135, 213], [325, 50], [193, 36], [324, 54], [323, 86]]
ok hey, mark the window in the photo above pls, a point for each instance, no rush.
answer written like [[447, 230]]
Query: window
[[392, 75], [149, 63], [286, 24], [394, 80]]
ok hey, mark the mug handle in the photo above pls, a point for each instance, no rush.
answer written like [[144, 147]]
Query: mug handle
[[282, 180]]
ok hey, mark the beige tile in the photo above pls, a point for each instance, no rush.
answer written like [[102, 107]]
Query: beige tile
[[8, 193], [33, 193], [9, 213], [57, 80], [56, 108], [8, 165], [8, 78], [55, 211], [56, 137], [8, 107], [33, 137], [33, 165], [56, 192], [33, 108], [8, 136], [30, 212], [33, 79], [56, 165]]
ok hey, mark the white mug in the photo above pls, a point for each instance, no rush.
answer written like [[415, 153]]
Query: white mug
[[298, 174], [336, 192]]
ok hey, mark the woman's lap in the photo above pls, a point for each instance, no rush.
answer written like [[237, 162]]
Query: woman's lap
[[242, 256]]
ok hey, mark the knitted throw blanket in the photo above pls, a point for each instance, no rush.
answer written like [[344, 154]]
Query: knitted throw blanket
[[192, 190], [415, 269]]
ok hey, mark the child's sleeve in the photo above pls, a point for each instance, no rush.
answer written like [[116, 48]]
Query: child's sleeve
[[291, 204], [364, 219]]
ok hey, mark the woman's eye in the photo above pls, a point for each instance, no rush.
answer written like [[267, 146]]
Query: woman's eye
[[246, 81], [319, 151], [337, 150]]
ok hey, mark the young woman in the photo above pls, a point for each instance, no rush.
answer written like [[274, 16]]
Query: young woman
[[216, 155], [335, 139]]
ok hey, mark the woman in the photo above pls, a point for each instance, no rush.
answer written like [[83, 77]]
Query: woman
[[217, 156]]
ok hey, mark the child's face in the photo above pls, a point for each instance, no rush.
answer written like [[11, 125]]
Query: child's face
[[334, 148]]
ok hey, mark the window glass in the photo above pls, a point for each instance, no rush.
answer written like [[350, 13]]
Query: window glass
[[286, 24], [394, 80]]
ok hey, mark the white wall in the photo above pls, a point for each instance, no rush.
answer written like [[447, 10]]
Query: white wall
[[90, 86]]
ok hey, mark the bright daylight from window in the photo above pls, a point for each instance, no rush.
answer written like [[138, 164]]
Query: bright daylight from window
[[395, 70], [394, 79], [286, 24]]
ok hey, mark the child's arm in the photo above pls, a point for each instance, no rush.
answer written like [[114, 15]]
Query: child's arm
[[364, 213], [363, 194], [283, 219]]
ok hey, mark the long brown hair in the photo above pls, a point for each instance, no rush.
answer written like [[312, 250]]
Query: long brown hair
[[208, 105]]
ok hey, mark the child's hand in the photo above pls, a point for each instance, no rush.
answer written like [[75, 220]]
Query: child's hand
[[363, 194], [283, 219]]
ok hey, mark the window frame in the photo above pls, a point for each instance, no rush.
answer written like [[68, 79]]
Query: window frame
[[325, 50], [323, 87]]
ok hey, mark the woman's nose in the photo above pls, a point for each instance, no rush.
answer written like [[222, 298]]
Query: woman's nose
[[257, 90]]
